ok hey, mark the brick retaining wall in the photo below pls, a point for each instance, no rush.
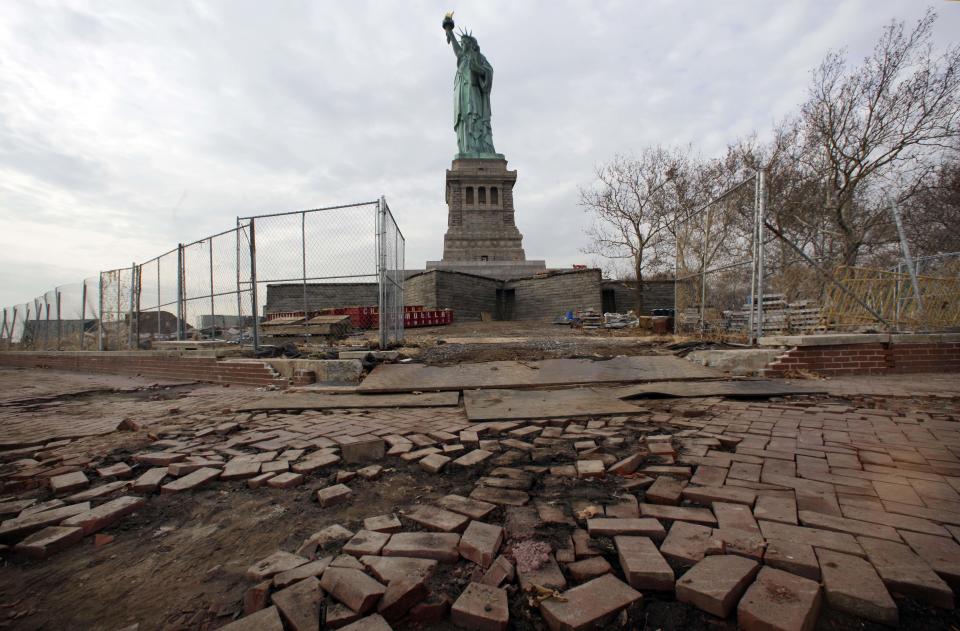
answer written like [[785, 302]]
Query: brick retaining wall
[[161, 365], [870, 355]]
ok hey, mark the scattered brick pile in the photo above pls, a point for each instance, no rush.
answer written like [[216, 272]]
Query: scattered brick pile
[[767, 512]]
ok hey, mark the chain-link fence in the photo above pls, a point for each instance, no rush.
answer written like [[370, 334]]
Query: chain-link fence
[[715, 264], [214, 289], [740, 277]]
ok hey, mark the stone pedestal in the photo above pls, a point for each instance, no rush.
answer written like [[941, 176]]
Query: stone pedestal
[[482, 235]]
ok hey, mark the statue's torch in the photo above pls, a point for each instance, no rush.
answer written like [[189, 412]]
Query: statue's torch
[[448, 22]]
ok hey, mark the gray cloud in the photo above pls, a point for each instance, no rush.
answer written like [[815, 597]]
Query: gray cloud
[[129, 127]]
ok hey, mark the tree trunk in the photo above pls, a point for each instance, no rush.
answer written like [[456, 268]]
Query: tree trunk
[[638, 290]]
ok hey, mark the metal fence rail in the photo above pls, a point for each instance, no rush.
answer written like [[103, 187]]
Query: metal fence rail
[[215, 288]]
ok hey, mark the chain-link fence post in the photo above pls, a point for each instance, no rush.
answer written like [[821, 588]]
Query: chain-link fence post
[[83, 314], [57, 298], [13, 327], [181, 309], [381, 271], [253, 284], [100, 313], [762, 205]]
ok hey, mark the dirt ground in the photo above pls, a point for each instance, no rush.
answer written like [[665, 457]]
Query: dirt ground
[[179, 562]]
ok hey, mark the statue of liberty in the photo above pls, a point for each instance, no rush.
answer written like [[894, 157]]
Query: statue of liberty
[[471, 96]]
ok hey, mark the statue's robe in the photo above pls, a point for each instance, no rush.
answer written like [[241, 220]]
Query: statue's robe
[[471, 103]]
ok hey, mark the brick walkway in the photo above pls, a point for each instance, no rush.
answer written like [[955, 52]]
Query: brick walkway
[[769, 512]]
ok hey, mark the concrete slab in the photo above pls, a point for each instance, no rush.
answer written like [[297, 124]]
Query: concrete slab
[[499, 405], [514, 374], [309, 401]]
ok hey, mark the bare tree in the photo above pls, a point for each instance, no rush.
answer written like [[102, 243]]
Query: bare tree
[[933, 224], [634, 202], [888, 120]]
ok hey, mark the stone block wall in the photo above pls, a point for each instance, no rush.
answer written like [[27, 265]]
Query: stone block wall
[[466, 294], [289, 297], [547, 297], [657, 294]]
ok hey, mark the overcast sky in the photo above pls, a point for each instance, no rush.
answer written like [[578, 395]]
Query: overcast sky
[[126, 127]]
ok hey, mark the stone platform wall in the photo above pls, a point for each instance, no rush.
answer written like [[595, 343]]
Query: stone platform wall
[[160, 364], [552, 296]]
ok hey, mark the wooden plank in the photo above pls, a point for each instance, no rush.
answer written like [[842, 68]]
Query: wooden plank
[[496, 405], [310, 401]]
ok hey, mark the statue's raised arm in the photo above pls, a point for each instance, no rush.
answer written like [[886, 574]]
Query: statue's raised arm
[[471, 95]]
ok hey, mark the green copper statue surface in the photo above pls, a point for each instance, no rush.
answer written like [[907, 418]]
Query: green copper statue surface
[[471, 96]]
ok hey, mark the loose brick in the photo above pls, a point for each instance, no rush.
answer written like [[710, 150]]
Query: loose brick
[[373, 622], [440, 546], [277, 562], [641, 526], [546, 575], [643, 565], [506, 497], [315, 461], [839, 541], [500, 571], [105, 515], [779, 600], [363, 449], [240, 470], [371, 472], [190, 481], [482, 608], [256, 597], [588, 568], [716, 583], [852, 526], [688, 543], [707, 475], [628, 465], [793, 557], [906, 573], [264, 620], [313, 568], [299, 604], [480, 543], [941, 553], [439, 519], [708, 494], [474, 509], [119, 470], [12, 529], [590, 468], [388, 569], [472, 458], [333, 495], [401, 595], [50, 540], [366, 542], [678, 513], [665, 490], [150, 481], [68, 482], [434, 463], [589, 606], [383, 523], [260, 480], [353, 588], [776, 508], [854, 587], [285, 480]]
